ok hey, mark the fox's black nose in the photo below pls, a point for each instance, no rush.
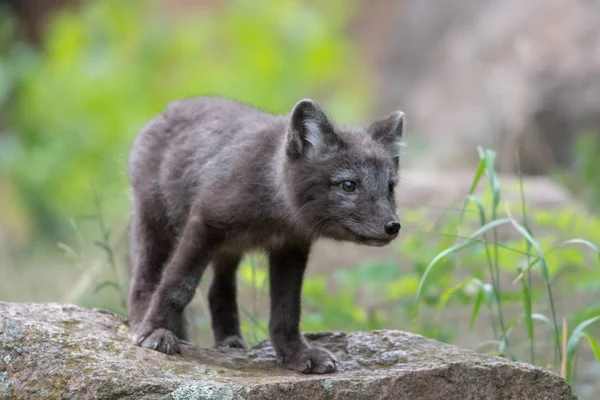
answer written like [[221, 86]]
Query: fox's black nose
[[392, 227]]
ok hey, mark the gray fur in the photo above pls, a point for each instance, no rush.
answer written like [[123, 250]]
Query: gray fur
[[213, 179]]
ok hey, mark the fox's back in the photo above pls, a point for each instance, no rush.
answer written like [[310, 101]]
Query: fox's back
[[200, 146]]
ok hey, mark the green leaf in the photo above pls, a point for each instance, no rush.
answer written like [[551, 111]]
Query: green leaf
[[496, 343], [508, 327], [476, 308], [594, 345], [105, 284], [476, 178], [255, 322], [485, 292], [517, 320], [454, 249], [568, 242], [582, 242], [478, 174], [447, 294], [544, 319], [69, 252], [490, 158], [527, 308], [103, 246], [534, 244], [480, 208], [577, 334]]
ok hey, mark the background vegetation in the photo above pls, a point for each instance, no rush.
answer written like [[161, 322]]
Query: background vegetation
[[528, 280]]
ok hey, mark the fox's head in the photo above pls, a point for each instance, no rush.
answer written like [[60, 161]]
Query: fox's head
[[341, 180]]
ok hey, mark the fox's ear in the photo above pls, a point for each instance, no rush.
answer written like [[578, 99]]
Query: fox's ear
[[389, 131], [309, 131]]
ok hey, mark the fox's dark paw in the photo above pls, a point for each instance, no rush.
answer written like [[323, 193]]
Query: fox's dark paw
[[232, 342], [162, 340], [311, 361]]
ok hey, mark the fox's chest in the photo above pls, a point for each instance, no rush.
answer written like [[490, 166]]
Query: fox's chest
[[258, 240]]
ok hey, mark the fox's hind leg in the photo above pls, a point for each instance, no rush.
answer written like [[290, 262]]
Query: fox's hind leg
[[150, 245], [222, 299], [177, 286]]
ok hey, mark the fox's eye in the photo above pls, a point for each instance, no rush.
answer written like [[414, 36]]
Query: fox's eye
[[391, 187], [349, 186]]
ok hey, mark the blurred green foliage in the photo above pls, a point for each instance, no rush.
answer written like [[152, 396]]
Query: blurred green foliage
[[584, 178], [109, 67]]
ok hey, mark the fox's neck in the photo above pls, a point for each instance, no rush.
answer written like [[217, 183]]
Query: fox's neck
[[283, 198]]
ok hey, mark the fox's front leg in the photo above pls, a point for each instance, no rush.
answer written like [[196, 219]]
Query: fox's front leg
[[286, 269], [176, 289]]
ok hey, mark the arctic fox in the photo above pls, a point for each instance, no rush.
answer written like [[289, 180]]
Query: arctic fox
[[213, 178]]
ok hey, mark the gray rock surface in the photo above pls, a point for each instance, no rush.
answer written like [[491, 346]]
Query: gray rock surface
[[65, 351]]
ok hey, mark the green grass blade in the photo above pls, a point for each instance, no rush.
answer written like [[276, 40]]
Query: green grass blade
[[577, 334], [503, 348], [104, 284], [543, 318], [454, 249], [492, 270], [448, 293], [545, 275], [254, 321], [486, 292], [478, 174], [504, 339], [554, 329], [527, 313], [481, 345], [476, 308], [526, 285], [573, 343], [594, 345], [494, 184], [517, 320], [584, 242], [510, 324], [103, 246], [490, 160], [540, 254], [69, 252], [480, 208], [476, 178], [453, 235], [436, 260]]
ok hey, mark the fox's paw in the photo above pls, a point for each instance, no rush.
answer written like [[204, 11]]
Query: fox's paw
[[232, 342], [162, 340], [312, 360]]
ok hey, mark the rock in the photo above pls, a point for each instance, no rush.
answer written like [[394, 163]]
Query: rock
[[64, 351]]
